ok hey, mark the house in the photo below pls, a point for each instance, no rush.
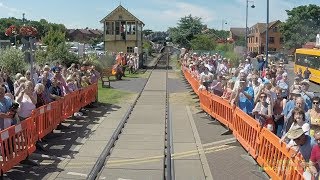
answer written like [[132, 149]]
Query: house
[[122, 31], [83, 35], [257, 37], [236, 33]]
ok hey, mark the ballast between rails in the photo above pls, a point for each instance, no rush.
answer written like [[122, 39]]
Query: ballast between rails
[[264, 146]]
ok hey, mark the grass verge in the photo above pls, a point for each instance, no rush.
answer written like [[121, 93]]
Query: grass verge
[[111, 96]]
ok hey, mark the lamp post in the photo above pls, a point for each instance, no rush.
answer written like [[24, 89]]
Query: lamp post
[[223, 22], [247, 7], [267, 33]]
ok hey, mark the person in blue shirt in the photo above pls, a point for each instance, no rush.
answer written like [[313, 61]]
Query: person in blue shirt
[[245, 97], [306, 94], [5, 105]]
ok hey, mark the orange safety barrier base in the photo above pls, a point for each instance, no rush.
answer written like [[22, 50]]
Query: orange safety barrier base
[[275, 158], [18, 141], [262, 144]]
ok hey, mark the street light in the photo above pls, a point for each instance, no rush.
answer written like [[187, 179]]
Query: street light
[[267, 33], [247, 7], [222, 23]]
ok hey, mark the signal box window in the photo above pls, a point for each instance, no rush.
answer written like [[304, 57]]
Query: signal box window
[[129, 49]]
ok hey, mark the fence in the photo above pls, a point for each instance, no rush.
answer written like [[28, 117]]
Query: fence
[[265, 147], [18, 142]]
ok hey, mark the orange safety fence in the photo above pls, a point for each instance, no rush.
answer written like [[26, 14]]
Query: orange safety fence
[[262, 144], [14, 144], [205, 101], [44, 118], [18, 141], [222, 110], [246, 130], [70, 104], [275, 158]]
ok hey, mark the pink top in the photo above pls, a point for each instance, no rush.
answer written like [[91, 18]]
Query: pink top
[[26, 107]]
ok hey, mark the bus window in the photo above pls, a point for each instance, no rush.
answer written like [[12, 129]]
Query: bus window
[[310, 61]]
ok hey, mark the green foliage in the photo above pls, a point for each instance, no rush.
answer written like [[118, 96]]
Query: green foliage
[[147, 47], [234, 57], [62, 54], [302, 25], [240, 41], [224, 47], [42, 26], [203, 42], [41, 57], [146, 32], [187, 28], [100, 62], [53, 39], [12, 60]]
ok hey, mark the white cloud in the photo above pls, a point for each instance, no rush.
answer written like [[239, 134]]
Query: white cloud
[[9, 10], [167, 13]]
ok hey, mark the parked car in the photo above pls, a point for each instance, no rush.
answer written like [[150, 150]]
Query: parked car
[[277, 56]]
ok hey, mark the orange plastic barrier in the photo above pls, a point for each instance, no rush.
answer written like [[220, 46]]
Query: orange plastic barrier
[[205, 101], [14, 145], [192, 81], [17, 142], [44, 118], [222, 110], [71, 104], [246, 130], [261, 143], [276, 159]]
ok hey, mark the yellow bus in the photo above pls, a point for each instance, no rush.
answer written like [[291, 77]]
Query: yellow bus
[[308, 58]]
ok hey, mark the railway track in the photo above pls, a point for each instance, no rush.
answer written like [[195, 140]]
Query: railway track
[[155, 88]]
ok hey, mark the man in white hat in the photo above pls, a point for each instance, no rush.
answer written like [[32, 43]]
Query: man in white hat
[[301, 142]]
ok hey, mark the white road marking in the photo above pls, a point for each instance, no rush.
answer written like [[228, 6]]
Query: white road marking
[[203, 158]]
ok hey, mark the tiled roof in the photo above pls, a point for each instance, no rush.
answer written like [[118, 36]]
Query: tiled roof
[[262, 26], [123, 9], [238, 31]]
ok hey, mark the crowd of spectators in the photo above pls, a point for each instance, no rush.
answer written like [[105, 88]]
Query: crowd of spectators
[[24, 92], [290, 110]]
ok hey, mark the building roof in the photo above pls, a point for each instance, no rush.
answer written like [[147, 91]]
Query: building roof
[[238, 31], [96, 31], [123, 9], [84, 31], [262, 26]]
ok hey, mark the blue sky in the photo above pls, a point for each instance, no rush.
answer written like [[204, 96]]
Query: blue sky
[[158, 15]]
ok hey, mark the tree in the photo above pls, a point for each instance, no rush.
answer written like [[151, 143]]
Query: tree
[[187, 28], [12, 60], [240, 41], [302, 25], [53, 39], [146, 32], [203, 42]]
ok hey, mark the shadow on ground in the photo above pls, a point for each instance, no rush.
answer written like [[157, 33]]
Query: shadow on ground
[[62, 143]]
